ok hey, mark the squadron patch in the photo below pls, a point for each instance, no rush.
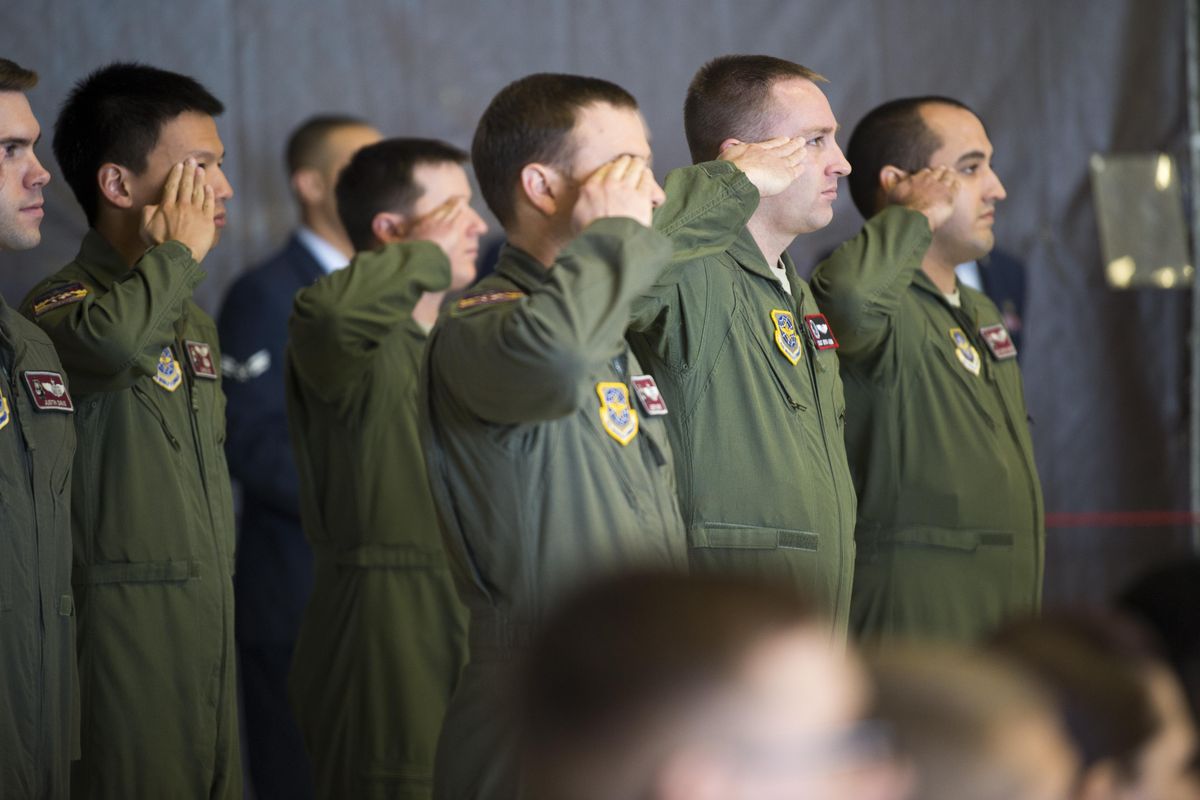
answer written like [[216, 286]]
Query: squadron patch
[[168, 375], [786, 335], [200, 358], [5, 414], [648, 395], [59, 296], [968, 356], [820, 332], [487, 298], [48, 391], [998, 340], [619, 418]]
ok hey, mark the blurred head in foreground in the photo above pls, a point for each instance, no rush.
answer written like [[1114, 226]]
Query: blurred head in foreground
[[665, 687], [1119, 701], [972, 727]]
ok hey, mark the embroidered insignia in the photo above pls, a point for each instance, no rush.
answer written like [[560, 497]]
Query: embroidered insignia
[[168, 375], [487, 298], [48, 391], [648, 395], [200, 358], [968, 356], [244, 371], [59, 296], [5, 414], [786, 335], [820, 332], [998, 341], [619, 418]]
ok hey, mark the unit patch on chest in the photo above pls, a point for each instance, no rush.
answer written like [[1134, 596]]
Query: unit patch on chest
[[5, 413], [168, 374], [648, 395], [48, 391], [820, 332], [617, 415], [967, 355], [200, 358], [787, 338], [998, 340]]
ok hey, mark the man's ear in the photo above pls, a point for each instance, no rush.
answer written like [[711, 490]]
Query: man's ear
[[113, 182], [309, 185], [388, 227], [889, 176], [728, 143], [542, 187]]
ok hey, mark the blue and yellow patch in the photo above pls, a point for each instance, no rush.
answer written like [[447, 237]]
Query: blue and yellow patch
[[5, 414], [617, 415], [168, 375], [59, 296], [968, 356], [787, 338]]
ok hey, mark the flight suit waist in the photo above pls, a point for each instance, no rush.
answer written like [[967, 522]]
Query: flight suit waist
[[378, 556]]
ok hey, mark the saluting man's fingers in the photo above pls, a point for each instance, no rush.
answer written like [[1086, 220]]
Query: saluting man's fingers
[[619, 167], [171, 188], [198, 187], [209, 203], [187, 182]]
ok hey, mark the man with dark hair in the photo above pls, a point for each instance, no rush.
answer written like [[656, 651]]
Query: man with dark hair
[[744, 359], [274, 563], [542, 468], [39, 701], [383, 637], [950, 524], [152, 511], [663, 687]]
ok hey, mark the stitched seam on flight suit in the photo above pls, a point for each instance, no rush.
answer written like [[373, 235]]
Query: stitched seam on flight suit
[[727, 192]]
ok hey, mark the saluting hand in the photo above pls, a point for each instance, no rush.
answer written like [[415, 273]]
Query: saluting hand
[[445, 226], [771, 166], [185, 213], [932, 191], [624, 187]]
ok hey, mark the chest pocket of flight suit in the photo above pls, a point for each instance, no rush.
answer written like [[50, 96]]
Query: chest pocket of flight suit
[[973, 386], [775, 362]]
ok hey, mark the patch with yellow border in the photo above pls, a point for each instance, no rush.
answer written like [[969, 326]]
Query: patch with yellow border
[[59, 296], [617, 414], [968, 356], [489, 297], [168, 375], [787, 337], [5, 414]]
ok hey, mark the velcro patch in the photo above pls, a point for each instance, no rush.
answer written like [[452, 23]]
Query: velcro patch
[[59, 296], [820, 332], [648, 394], [998, 340], [488, 298], [48, 391], [200, 358]]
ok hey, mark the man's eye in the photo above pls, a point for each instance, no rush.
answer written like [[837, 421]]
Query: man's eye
[[10, 150], [971, 170], [819, 141]]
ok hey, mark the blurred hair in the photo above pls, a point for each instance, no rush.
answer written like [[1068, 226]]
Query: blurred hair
[[893, 134], [730, 97], [530, 121], [116, 115], [379, 178], [15, 78], [306, 144], [626, 662]]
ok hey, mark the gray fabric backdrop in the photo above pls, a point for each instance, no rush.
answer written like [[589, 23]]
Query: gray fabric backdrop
[[1054, 79]]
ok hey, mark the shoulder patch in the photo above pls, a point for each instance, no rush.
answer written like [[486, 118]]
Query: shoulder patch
[[58, 296], [487, 298]]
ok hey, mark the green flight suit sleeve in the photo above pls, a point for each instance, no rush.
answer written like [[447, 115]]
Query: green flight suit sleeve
[[707, 208], [338, 323], [860, 286], [110, 339], [528, 360]]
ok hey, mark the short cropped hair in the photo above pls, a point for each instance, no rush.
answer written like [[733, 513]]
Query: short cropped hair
[[305, 144], [531, 120], [627, 660], [116, 115], [893, 134], [15, 78], [380, 178], [730, 98]]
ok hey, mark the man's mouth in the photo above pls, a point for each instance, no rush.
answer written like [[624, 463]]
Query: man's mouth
[[34, 210]]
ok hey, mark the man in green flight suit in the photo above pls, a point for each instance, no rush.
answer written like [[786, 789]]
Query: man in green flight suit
[[950, 530], [543, 468], [741, 352], [151, 505], [384, 636], [39, 701]]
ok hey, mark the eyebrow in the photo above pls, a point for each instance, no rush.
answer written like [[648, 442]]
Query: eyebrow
[[648, 159], [826, 131], [972, 156], [23, 140], [205, 154]]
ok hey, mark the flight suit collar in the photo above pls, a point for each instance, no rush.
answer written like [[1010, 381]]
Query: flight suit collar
[[968, 307], [746, 253], [521, 268], [100, 260]]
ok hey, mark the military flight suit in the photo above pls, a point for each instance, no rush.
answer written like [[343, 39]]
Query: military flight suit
[[951, 535], [756, 403], [384, 636], [152, 523], [544, 470], [39, 690]]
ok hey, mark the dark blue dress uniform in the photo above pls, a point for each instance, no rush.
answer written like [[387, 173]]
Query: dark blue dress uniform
[[274, 562]]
